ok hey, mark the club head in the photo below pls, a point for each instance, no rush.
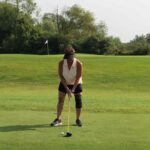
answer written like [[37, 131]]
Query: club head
[[68, 134]]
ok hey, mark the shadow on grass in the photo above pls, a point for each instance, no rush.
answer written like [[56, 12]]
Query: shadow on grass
[[22, 127], [14, 128]]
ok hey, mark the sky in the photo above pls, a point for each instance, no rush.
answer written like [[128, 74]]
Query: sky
[[124, 18]]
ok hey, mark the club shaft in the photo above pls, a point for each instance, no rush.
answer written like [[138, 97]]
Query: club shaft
[[68, 124]]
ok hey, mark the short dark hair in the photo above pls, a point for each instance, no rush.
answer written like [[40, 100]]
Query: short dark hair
[[68, 46]]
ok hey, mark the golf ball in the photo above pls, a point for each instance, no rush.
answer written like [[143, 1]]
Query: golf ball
[[62, 133]]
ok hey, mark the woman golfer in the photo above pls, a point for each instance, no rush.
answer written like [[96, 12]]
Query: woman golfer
[[70, 74]]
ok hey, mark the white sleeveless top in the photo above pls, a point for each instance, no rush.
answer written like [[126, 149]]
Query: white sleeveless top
[[70, 75]]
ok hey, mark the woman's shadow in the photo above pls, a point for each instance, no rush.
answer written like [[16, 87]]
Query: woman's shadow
[[14, 128]]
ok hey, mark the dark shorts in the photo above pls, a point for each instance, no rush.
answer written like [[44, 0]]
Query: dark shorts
[[78, 89]]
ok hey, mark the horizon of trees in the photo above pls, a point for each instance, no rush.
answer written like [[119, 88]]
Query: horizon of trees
[[22, 33]]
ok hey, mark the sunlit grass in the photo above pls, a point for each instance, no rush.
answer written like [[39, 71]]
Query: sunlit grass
[[116, 103]]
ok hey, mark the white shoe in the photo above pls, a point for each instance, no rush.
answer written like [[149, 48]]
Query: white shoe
[[56, 122]]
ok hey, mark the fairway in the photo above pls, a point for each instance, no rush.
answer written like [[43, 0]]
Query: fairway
[[116, 104]]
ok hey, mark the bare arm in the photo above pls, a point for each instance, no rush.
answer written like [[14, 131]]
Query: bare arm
[[79, 74], [62, 79]]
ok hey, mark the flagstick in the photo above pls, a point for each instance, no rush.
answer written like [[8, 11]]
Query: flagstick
[[47, 49]]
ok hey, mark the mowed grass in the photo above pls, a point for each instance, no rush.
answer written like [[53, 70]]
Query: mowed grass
[[116, 103]]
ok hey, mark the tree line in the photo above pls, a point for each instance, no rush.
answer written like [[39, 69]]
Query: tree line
[[23, 31]]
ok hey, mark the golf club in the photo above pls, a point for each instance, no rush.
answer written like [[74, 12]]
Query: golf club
[[68, 133]]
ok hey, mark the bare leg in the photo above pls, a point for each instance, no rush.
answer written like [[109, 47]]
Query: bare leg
[[60, 104], [78, 113]]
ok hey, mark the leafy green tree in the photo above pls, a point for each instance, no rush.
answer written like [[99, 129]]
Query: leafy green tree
[[101, 30], [49, 24], [90, 45], [139, 46], [8, 17], [24, 32], [57, 42], [114, 46], [95, 45], [17, 28], [26, 6], [75, 22], [148, 37]]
